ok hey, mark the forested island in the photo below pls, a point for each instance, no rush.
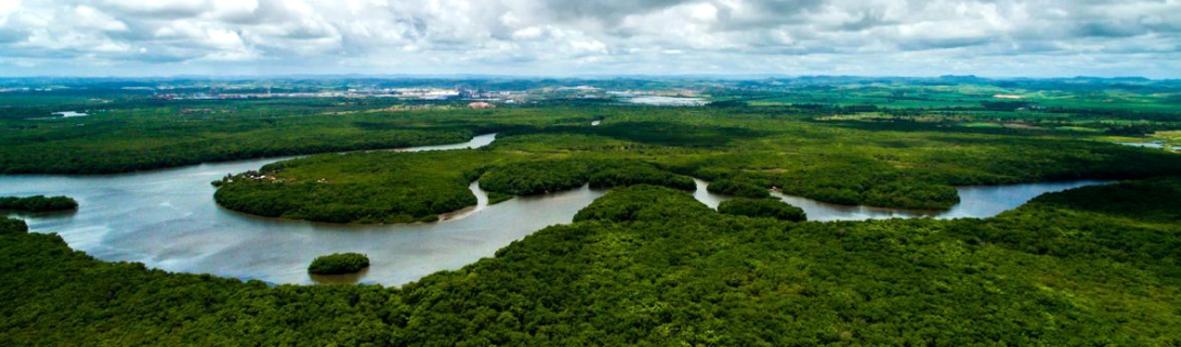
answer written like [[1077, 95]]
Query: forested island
[[762, 208], [39, 203], [338, 263]]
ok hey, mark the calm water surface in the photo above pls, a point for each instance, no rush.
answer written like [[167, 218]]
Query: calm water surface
[[666, 101], [1153, 145], [167, 219], [975, 202]]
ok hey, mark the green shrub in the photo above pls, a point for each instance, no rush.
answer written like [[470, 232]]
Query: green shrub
[[338, 263], [762, 208]]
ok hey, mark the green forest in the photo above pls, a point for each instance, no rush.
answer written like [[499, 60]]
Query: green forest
[[645, 263], [762, 208], [914, 169], [648, 265]]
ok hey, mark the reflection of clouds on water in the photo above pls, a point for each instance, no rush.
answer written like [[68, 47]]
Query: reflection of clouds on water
[[975, 202], [70, 114], [666, 101], [340, 279], [1154, 145]]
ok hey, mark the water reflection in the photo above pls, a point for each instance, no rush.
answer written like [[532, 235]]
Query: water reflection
[[704, 196], [975, 202], [339, 279], [666, 101]]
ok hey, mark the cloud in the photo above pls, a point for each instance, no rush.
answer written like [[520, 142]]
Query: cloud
[[564, 37]]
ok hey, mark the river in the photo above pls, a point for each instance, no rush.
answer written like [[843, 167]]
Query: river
[[167, 219]]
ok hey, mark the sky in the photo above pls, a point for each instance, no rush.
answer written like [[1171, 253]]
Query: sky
[[995, 38]]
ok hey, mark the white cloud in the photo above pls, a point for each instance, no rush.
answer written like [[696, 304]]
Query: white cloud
[[7, 8], [86, 17], [530, 33], [1010, 37]]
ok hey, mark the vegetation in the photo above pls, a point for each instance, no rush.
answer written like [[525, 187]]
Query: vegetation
[[338, 263], [537, 177], [738, 188], [393, 187], [902, 167], [371, 187], [641, 202], [874, 141], [621, 174], [762, 208], [649, 265], [12, 226], [158, 137], [545, 176], [38, 203], [645, 264]]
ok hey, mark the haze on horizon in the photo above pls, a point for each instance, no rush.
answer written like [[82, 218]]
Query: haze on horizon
[[996, 38]]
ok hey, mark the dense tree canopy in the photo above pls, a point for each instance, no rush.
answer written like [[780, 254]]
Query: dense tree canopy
[[762, 208], [545, 176], [377, 187], [338, 263], [738, 188], [649, 265], [38, 203], [835, 154], [14, 226]]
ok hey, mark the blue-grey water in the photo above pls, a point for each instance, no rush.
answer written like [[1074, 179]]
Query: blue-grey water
[[975, 202]]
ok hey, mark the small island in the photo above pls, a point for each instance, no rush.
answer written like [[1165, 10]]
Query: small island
[[737, 188], [39, 203], [762, 208], [338, 264]]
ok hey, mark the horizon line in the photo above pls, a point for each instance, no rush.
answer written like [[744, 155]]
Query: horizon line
[[707, 76]]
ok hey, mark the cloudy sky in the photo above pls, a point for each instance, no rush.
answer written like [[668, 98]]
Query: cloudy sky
[[586, 37]]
